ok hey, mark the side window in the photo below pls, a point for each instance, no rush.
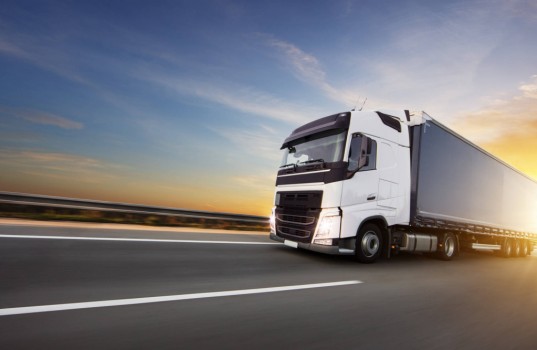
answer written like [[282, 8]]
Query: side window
[[365, 146], [371, 155]]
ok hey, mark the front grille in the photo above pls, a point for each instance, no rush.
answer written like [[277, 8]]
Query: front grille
[[299, 200], [296, 219], [290, 231], [297, 214]]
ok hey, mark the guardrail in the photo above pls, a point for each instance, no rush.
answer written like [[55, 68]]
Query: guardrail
[[84, 204]]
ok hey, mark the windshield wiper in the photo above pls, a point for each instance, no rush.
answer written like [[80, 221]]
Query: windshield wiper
[[312, 161], [286, 165]]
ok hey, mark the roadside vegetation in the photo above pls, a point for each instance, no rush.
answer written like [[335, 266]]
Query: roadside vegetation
[[35, 212]]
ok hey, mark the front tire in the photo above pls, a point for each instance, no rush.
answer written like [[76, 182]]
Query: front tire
[[368, 244]]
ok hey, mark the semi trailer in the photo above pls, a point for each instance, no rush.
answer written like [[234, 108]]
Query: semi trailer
[[375, 183]]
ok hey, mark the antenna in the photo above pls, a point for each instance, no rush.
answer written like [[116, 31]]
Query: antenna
[[354, 108], [363, 105]]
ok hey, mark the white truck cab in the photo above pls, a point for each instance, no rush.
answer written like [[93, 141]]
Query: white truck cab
[[339, 173]]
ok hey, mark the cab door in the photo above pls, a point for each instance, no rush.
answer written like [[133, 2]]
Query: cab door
[[361, 188], [388, 188]]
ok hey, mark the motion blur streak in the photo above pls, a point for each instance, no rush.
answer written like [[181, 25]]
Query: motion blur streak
[[132, 239], [93, 304]]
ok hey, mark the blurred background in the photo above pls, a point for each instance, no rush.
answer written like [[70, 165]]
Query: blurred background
[[185, 103]]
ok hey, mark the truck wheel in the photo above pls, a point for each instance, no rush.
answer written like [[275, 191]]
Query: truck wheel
[[517, 249], [368, 244], [448, 247], [523, 248], [529, 248], [507, 248]]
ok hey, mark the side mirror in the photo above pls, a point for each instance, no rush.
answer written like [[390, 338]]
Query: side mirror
[[358, 153]]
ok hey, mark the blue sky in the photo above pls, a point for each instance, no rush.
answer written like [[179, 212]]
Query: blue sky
[[185, 103]]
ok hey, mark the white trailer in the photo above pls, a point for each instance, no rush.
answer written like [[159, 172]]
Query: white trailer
[[373, 183]]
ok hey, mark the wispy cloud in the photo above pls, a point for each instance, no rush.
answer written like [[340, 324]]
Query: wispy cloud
[[242, 98], [516, 115], [521, 8], [529, 90], [158, 65], [44, 52], [55, 159], [506, 127], [441, 57], [40, 117], [262, 183], [263, 142], [308, 68], [6, 47], [58, 165], [260, 150]]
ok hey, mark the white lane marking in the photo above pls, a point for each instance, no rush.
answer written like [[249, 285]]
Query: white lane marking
[[134, 301], [134, 239]]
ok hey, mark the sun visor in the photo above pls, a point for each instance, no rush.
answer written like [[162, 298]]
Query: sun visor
[[332, 122]]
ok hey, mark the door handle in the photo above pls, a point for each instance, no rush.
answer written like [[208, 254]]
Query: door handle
[[371, 197]]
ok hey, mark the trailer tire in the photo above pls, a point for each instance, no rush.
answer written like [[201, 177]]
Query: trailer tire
[[507, 248], [524, 248], [517, 249], [368, 244], [448, 247]]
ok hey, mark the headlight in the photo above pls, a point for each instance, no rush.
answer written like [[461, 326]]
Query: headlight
[[323, 241], [329, 227], [272, 222]]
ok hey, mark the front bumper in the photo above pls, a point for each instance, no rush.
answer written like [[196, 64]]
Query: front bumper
[[325, 249]]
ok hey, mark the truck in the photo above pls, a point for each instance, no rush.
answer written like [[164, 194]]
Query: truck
[[375, 183]]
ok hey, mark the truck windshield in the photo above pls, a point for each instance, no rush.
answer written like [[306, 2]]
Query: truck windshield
[[323, 149]]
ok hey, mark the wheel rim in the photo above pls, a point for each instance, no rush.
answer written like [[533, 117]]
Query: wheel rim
[[370, 244], [449, 246], [517, 249]]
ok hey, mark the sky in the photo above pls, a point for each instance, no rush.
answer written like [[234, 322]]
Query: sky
[[185, 103]]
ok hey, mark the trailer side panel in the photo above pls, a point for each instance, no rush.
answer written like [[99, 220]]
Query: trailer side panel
[[456, 181]]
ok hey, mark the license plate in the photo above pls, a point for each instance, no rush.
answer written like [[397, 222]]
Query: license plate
[[290, 244]]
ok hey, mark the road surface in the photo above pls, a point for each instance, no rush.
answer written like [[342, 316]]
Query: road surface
[[194, 290]]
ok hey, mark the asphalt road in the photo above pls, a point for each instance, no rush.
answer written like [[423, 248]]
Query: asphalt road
[[409, 302]]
